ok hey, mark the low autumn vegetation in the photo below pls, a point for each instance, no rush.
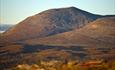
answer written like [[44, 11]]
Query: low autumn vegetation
[[68, 65]]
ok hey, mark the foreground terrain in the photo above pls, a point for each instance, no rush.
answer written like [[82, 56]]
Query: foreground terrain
[[23, 54], [69, 65]]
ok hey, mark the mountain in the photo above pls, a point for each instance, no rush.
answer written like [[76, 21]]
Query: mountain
[[49, 22], [100, 32]]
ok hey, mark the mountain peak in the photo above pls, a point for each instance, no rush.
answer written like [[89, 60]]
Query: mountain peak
[[72, 7]]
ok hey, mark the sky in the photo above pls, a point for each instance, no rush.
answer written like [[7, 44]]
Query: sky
[[14, 11]]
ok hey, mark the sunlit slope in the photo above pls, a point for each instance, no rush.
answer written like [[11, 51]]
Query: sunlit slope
[[98, 33]]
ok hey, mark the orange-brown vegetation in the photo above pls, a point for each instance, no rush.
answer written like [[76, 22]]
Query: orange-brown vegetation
[[69, 65]]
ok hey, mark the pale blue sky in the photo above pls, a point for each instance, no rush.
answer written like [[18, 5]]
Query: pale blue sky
[[14, 11]]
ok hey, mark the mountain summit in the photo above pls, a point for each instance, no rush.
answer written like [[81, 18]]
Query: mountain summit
[[49, 22]]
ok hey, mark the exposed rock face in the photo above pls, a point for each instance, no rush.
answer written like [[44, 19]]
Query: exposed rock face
[[49, 22], [101, 32]]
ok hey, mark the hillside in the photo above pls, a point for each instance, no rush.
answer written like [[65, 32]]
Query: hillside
[[100, 32], [49, 22]]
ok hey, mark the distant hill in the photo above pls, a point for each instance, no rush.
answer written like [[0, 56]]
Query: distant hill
[[50, 22], [100, 32], [4, 27]]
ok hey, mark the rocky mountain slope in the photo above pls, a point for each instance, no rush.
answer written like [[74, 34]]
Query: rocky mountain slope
[[49, 22], [98, 33]]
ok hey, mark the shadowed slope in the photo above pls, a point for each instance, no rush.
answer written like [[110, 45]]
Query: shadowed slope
[[98, 33]]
